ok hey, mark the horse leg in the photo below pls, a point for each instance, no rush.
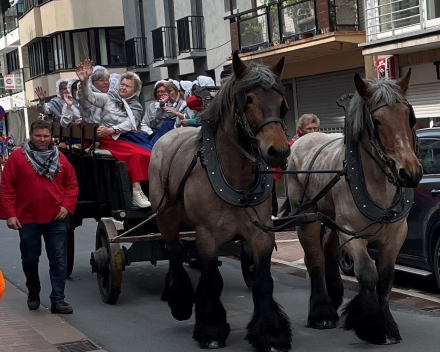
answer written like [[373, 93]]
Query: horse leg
[[211, 329], [178, 291], [362, 313], [385, 267], [269, 328], [322, 313], [333, 280]]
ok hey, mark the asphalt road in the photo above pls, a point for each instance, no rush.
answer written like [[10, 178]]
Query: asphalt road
[[140, 322]]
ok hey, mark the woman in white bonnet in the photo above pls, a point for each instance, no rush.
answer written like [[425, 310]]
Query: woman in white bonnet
[[53, 109]]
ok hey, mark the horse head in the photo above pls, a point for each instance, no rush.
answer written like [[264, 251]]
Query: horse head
[[389, 120], [259, 110]]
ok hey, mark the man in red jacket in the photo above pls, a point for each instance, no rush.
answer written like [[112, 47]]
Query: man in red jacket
[[38, 191]]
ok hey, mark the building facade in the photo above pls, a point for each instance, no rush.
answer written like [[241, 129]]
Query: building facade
[[51, 37], [403, 34]]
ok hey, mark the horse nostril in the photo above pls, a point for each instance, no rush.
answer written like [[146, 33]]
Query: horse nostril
[[403, 174], [272, 151]]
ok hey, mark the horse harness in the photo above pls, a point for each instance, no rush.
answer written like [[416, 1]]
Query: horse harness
[[261, 187]]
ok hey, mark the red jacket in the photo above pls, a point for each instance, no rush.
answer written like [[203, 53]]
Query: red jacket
[[33, 198]]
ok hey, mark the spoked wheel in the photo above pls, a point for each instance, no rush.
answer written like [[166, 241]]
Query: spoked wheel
[[247, 265], [70, 251], [437, 262], [108, 262], [346, 264]]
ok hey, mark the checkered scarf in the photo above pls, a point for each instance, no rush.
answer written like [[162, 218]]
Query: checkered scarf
[[46, 163]]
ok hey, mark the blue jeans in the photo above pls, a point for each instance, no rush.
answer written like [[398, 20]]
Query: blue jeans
[[55, 238]]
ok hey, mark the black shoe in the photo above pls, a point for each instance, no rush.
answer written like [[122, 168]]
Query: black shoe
[[61, 308], [33, 302]]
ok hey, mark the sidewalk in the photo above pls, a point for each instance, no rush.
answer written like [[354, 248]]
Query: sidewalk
[[36, 331]]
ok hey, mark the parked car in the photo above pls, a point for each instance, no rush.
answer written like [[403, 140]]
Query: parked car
[[420, 253]]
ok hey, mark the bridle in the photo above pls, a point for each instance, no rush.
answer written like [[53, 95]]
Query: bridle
[[242, 122], [374, 140]]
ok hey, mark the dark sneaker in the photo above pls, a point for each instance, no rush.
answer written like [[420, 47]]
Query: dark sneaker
[[61, 308], [33, 302]]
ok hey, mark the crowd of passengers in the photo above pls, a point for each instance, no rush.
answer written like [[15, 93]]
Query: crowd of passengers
[[126, 130]]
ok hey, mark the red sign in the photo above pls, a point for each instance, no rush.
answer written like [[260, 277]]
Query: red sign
[[386, 68]]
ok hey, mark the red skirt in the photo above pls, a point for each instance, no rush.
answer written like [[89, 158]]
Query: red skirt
[[136, 158]]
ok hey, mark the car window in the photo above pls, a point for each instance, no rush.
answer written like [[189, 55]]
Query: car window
[[429, 156]]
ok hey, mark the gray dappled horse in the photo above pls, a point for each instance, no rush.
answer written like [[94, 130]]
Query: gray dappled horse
[[216, 221], [368, 314]]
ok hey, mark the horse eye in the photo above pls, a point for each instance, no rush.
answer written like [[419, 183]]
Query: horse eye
[[376, 122], [249, 100]]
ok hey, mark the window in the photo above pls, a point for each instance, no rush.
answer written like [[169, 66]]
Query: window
[[12, 62], [433, 9], [116, 39], [429, 156], [64, 51], [227, 5], [80, 47]]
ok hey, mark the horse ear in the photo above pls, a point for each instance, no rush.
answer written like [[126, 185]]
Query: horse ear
[[361, 87], [238, 65], [278, 67], [404, 81]]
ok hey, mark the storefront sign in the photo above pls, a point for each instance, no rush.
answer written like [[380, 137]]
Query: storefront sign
[[386, 67], [13, 81]]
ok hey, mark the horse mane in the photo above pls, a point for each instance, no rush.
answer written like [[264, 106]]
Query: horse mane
[[387, 90], [255, 75]]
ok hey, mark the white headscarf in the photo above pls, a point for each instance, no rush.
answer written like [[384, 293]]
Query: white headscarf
[[160, 81], [205, 81], [176, 83], [187, 86], [70, 83], [57, 85]]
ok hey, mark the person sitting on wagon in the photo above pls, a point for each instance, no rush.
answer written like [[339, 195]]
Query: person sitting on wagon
[[100, 81], [53, 109], [161, 117], [118, 131], [71, 112], [195, 102], [189, 116]]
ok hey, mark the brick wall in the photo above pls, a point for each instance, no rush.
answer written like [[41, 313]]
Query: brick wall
[[234, 36]]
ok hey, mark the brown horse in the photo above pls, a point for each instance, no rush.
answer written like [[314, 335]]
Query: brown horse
[[386, 165], [214, 220]]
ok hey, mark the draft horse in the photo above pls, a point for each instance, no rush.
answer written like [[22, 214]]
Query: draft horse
[[379, 153], [241, 125]]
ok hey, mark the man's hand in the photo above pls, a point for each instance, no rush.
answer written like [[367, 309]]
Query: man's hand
[[41, 94], [13, 223], [104, 131], [61, 214]]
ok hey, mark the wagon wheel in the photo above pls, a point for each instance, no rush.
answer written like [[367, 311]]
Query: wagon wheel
[[247, 265], [108, 262], [70, 251]]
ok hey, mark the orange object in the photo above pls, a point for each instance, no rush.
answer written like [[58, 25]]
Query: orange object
[[2, 285]]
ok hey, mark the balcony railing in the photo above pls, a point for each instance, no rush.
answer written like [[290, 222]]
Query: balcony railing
[[136, 52], [30, 4], [191, 34], [164, 43], [10, 19], [284, 21], [391, 18]]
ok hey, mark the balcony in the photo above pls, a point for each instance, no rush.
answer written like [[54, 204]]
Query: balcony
[[164, 47], [191, 37], [287, 21], [136, 53], [28, 5], [394, 19]]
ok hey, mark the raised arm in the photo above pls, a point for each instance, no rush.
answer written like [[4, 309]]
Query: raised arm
[[97, 99]]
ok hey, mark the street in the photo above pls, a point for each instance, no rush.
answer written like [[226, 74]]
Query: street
[[139, 321]]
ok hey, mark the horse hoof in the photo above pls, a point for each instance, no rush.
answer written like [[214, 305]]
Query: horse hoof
[[391, 341], [273, 349], [212, 345], [323, 325]]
